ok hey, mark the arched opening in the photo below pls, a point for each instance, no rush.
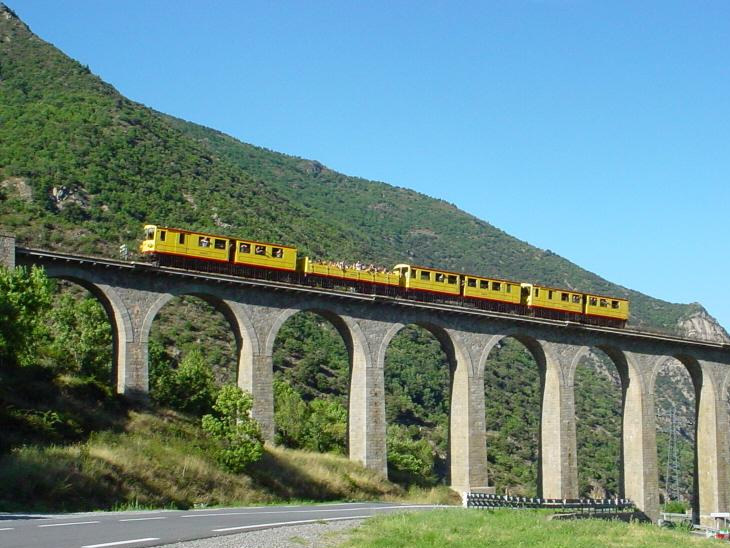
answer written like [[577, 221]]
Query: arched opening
[[60, 388], [193, 349], [417, 387], [81, 332], [598, 410], [513, 396], [311, 360], [675, 398]]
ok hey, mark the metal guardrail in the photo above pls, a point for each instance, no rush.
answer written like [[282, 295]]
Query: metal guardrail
[[489, 501]]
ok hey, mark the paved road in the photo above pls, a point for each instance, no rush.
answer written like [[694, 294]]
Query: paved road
[[153, 528]]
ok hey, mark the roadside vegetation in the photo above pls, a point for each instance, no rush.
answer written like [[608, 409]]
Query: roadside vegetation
[[456, 528], [69, 443]]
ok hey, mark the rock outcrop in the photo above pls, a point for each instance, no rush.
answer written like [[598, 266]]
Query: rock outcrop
[[700, 325]]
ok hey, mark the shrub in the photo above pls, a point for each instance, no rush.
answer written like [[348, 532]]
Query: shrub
[[326, 426], [409, 460], [189, 388], [231, 424]]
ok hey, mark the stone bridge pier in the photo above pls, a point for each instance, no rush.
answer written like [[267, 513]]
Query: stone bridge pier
[[132, 295]]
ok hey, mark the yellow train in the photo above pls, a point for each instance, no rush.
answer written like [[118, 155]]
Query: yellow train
[[224, 254]]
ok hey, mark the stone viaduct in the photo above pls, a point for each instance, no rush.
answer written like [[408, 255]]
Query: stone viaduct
[[133, 293]]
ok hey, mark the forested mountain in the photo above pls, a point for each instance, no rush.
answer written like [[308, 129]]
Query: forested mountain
[[82, 167]]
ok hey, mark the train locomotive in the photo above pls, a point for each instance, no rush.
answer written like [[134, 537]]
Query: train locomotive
[[180, 248]]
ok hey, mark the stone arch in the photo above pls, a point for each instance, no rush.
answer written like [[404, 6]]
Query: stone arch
[[247, 342], [362, 447], [117, 314], [540, 354], [466, 441], [349, 330]]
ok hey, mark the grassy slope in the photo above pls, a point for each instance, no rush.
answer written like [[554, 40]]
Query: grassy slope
[[123, 164], [165, 460], [468, 528]]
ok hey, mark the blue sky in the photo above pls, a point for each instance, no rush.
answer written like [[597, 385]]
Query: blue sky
[[599, 130]]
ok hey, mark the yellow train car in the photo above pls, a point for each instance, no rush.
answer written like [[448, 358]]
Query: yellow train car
[[264, 255], [177, 246], [612, 309], [492, 289], [173, 242], [430, 280], [544, 300], [348, 273]]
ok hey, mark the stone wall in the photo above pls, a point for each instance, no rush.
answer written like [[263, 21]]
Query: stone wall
[[7, 251]]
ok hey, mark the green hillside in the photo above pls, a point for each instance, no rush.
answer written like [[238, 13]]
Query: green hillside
[[82, 167]]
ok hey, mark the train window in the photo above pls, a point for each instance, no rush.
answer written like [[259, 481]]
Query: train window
[[163, 233], [614, 304], [483, 284], [149, 234], [537, 292], [440, 277], [593, 301], [181, 238], [277, 252], [260, 250], [496, 286], [604, 303], [550, 294], [425, 275], [576, 298], [243, 247], [203, 241], [452, 279], [471, 282], [564, 297], [509, 288], [220, 244]]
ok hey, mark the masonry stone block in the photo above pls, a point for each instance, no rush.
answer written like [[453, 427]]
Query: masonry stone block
[[7, 251]]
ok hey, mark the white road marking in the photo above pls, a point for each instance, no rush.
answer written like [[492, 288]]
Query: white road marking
[[260, 525], [66, 524], [377, 508], [7, 528], [141, 519], [118, 543]]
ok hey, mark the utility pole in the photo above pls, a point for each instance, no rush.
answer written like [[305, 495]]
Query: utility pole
[[671, 478]]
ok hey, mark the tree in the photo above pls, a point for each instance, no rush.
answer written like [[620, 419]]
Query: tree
[[82, 338], [241, 442], [290, 415], [409, 460], [25, 295], [326, 426], [189, 388]]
